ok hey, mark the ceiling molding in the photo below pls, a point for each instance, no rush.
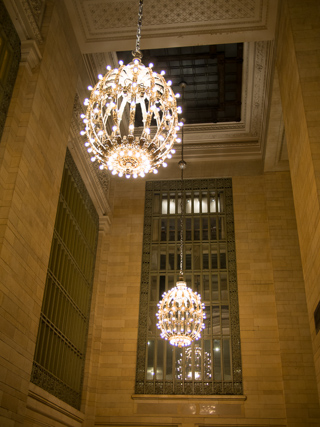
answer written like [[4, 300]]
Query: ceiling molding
[[110, 24]]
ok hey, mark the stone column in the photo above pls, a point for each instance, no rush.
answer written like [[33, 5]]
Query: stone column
[[32, 153], [298, 65]]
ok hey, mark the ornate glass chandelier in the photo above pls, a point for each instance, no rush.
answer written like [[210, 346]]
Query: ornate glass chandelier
[[113, 139], [180, 315]]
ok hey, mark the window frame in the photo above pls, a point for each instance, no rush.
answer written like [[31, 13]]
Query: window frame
[[213, 387]]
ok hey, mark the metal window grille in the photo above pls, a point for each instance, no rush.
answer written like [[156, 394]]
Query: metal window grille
[[211, 365], [62, 336]]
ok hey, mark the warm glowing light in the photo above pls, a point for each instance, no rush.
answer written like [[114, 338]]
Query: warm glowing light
[[180, 315], [129, 150]]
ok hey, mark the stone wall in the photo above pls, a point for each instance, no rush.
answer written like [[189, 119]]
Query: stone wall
[[278, 372], [298, 61], [32, 153]]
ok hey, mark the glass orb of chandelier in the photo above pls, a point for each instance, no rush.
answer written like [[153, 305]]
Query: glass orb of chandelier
[[114, 141], [180, 315]]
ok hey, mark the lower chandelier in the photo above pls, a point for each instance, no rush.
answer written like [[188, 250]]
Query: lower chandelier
[[180, 315]]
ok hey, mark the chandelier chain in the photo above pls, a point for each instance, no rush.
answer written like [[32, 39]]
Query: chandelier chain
[[139, 26], [182, 209]]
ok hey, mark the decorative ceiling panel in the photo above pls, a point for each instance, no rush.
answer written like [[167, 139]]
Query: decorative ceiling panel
[[99, 23]]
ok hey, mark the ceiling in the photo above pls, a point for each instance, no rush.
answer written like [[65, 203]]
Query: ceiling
[[197, 41], [209, 78], [223, 49]]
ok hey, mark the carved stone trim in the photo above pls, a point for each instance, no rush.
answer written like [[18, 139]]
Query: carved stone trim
[[29, 12], [6, 87], [30, 54], [97, 181]]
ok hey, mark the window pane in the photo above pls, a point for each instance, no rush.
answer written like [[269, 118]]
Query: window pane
[[154, 258], [188, 203], [222, 228], [196, 229], [206, 288], [213, 207], [224, 286], [160, 349], [188, 227], [221, 202], [196, 203], [172, 207], [163, 230], [162, 286], [169, 362], [205, 229], [223, 257], [172, 230], [188, 258], [196, 258], [152, 321], [197, 360], [213, 229], [164, 205], [156, 203], [163, 256], [216, 320], [204, 202], [155, 230], [214, 288], [150, 363], [205, 257], [214, 257], [217, 360], [207, 359], [225, 320], [153, 289], [226, 360]]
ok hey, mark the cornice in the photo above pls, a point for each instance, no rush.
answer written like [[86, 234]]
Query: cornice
[[97, 181]]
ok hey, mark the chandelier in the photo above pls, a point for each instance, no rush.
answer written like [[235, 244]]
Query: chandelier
[[114, 140], [180, 315]]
